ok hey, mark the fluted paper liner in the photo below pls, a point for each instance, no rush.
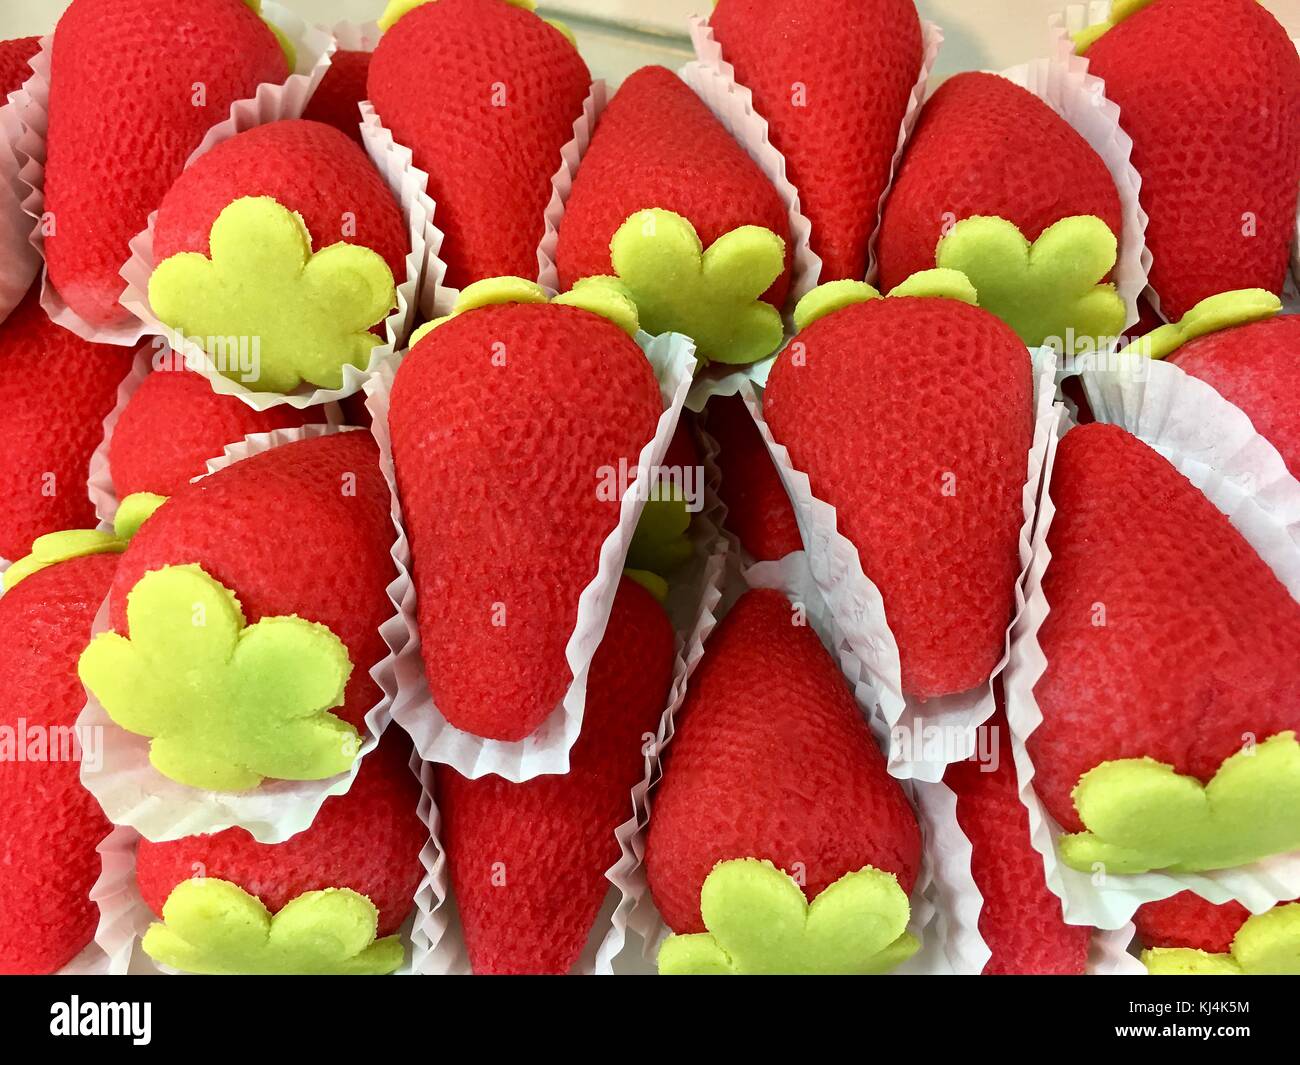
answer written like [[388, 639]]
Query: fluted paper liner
[[19, 263], [134, 794]]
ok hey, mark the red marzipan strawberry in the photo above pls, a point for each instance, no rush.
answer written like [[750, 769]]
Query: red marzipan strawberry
[[51, 825], [337, 99], [922, 453], [528, 861], [485, 95], [657, 145], [174, 423], [1256, 367], [758, 508], [55, 391], [1199, 642], [309, 168], [833, 79], [772, 760], [15, 60], [1210, 93], [302, 529], [1021, 919], [124, 81], [967, 157], [503, 420], [1187, 920], [368, 839]]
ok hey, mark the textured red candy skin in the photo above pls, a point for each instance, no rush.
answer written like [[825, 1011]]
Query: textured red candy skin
[[892, 397], [859, 60], [1021, 919], [335, 101], [967, 157], [1187, 920], [758, 508], [657, 145], [308, 167], [368, 839], [1200, 641], [499, 469], [55, 391], [772, 760], [553, 836], [436, 79], [303, 529], [1256, 367], [51, 825], [1210, 94], [174, 423], [15, 57], [122, 118]]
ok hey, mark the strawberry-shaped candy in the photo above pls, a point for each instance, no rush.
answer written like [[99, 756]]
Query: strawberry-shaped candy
[[1020, 920], [337, 99], [1255, 366], [967, 159], [775, 796], [913, 417], [329, 900], [15, 60], [283, 559], [758, 508], [55, 391], [288, 234], [659, 146], [1171, 697], [1209, 90], [174, 423], [833, 79], [1186, 935], [485, 94], [134, 86], [51, 825], [506, 420], [528, 860]]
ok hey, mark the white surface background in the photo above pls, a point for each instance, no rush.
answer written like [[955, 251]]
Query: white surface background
[[981, 34]]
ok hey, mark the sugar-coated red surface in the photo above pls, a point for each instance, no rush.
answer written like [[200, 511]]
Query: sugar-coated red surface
[[55, 391], [485, 95], [1168, 636], [528, 860], [368, 840], [175, 422], [758, 509], [658, 145], [51, 824], [1021, 920], [772, 759], [914, 419], [968, 157], [335, 101], [14, 62], [1187, 920], [125, 116], [1210, 94], [833, 79], [308, 167], [508, 423], [303, 529], [1257, 367]]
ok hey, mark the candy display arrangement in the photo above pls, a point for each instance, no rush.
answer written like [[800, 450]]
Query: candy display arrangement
[[791, 514]]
